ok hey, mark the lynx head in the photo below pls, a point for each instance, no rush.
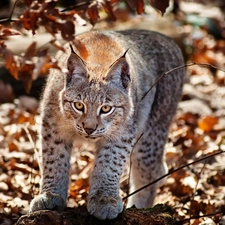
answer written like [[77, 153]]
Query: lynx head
[[96, 96]]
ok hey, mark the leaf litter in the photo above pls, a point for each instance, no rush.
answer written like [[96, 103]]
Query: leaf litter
[[198, 129]]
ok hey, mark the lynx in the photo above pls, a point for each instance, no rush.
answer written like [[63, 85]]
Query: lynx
[[101, 97]]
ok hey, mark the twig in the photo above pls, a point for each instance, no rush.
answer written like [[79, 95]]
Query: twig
[[193, 195], [173, 171], [81, 4], [131, 162], [36, 152], [9, 19], [14, 6], [177, 68]]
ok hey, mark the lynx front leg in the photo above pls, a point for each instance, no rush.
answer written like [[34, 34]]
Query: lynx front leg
[[54, 171], [103, 200], [148, 164]]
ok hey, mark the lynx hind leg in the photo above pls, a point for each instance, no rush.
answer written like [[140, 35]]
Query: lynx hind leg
[[147, 165]]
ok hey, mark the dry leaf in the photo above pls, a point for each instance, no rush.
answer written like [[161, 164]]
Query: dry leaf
[[92, 12], [160, 5], [207, 123], [107, 6]]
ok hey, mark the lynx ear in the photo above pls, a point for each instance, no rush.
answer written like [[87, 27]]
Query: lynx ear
[[76, 66], [119, 72]]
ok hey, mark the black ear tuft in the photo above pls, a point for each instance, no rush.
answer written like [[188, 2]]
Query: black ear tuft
[[75, 65], [74, 60], [119, 72], [125, 76], [71, 48]]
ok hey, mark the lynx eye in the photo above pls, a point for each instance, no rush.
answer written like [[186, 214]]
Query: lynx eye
[[106, 109], [78, 106]]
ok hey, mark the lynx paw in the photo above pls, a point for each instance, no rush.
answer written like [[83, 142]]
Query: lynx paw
[[47, 200], [104, 207]]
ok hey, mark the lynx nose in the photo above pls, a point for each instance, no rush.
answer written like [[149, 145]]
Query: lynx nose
[[89, 130]]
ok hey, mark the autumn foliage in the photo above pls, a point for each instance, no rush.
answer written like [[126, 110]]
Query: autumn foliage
[[195, 192], [47, 15]]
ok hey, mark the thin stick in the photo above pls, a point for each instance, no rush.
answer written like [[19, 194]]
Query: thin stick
[[195, 189], [14, 6], [171, 172], [131, 162], [36, 152], [177, 68], [81, 4], [9, 19]]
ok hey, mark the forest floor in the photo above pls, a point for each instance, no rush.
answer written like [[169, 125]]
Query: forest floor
[[195, 192]]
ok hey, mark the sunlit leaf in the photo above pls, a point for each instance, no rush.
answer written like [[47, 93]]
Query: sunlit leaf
[[107, 6], [92, 12], [207, 123], [6, 32], [31, 50], [136, 4], [10, 62], [68, 30]]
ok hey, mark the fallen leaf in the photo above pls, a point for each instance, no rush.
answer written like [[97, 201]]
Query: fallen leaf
[[92, 12], [207, 123], [160, 5]]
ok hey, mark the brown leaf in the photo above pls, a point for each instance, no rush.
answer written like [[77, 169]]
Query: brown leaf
[[189, 118], [31, 50], [218, 179], [10, 62], [68, 30], [6, 32], [30, 17], [114, 1], [160, 5], [207, 123], [25, 74], [92, 12], [181, 191], [28, 2], [44, 13], [205, 208], [136, 4], [140, 6], [12, 146], [24, 118], [107, 6]]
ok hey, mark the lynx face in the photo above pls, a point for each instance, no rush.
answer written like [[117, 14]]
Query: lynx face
[[96, 100]]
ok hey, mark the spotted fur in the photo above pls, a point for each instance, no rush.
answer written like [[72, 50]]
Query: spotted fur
[[98, 98]]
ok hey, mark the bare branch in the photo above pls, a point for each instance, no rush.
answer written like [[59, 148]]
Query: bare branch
[[131, 160], [177, 68], [9, 19], [77, 6], [173, 171], [14, 6]]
